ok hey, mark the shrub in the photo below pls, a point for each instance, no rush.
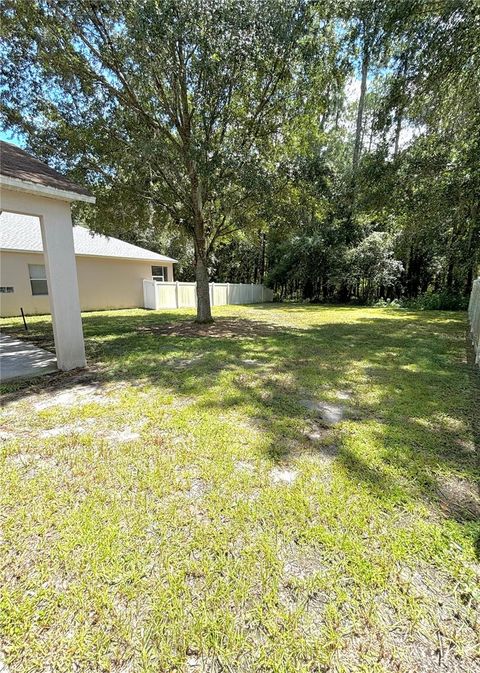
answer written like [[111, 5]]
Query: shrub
[[437, 301], [387, 303]]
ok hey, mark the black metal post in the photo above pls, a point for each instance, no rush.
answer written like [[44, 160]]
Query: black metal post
[[24, 321]]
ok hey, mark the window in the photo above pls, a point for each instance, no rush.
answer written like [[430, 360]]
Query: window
[[160, 273], [6, 289], [38, 278]]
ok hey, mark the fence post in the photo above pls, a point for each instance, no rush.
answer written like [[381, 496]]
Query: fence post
[[176, 294], [212, 294], [474, 318], [228, 293]]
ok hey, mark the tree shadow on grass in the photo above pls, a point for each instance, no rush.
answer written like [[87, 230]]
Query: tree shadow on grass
[[409, 380]]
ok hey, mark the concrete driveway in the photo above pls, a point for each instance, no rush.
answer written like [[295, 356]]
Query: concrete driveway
[[21, 360]]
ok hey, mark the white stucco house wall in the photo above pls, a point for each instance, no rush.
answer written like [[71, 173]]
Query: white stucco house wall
[[110, 272]]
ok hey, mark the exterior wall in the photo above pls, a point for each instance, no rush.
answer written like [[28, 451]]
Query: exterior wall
[[103, 283], [14, 272], [113, 283]]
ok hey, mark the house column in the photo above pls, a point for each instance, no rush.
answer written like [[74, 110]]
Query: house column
[[61, 271]]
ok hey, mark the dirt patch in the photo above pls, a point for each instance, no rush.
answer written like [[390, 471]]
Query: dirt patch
[[317, 433], [81, 394], [199, 663], [222, 328], [459, 499], [301, 563], [31, 464], [3, 665], [300, 566], [185, 362], [344, 394], [321, 442], [331, 414], [244, 466], [125, 435], [283, 475], [179, 403], [51, 384], [69, 429], [446, 638], [198, 488]]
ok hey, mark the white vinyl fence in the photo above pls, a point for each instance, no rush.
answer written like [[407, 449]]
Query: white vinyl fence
[[474, 317], [157, 294]]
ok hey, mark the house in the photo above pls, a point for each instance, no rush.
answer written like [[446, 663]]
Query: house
[[110, 272], [30, 187]]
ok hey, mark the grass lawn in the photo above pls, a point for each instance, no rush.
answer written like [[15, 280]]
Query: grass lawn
[[293, 492]]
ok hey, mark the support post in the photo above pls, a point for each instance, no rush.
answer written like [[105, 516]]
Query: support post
[[61, 270]]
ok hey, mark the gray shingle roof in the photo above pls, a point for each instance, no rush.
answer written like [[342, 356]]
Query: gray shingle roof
[[22, 233], [18, 164]]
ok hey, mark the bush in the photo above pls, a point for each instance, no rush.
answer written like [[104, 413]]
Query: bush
[[437, 301], [387, 303]]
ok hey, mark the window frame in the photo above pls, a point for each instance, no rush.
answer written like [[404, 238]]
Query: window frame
[[34, 278], [160, 278]]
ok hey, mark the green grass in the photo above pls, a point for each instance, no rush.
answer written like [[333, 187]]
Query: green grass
[[219, 536]]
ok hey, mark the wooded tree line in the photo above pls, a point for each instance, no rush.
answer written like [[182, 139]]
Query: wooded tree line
[[330, 149]]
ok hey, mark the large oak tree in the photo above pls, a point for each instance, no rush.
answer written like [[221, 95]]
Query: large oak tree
[[166, 107]]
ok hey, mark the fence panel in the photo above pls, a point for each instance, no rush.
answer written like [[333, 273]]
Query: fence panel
[[166, 294], [267, 294], [219, 294], [237, 294], [474, 317], [257, 292], [187, 295], [158, 295], [149, 300]]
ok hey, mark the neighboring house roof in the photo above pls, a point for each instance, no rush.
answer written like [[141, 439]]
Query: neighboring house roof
[[17, 167], [21, 233]]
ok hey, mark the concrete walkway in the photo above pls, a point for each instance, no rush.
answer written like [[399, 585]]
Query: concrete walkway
[[21, 360]]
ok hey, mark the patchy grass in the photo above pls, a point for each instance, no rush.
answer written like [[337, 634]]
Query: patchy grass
[[295, 492]]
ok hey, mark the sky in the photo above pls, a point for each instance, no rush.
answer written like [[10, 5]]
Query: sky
[[11, 137], [408, 132]]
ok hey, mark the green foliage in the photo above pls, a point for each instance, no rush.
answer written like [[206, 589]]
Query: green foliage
[[438, 301], [420, 193], [225, 134], [170, 110], [372, 265]]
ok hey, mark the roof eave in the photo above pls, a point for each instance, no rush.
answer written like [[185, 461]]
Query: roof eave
[[128, 259], [42, 190], [167, 260]]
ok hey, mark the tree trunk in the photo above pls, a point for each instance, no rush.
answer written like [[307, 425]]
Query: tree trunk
[[400, 107], [204, 311], [262, 257], [361, 106], [398, 130]]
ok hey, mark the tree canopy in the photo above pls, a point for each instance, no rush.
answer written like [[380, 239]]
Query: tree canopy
[[330, 149]]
